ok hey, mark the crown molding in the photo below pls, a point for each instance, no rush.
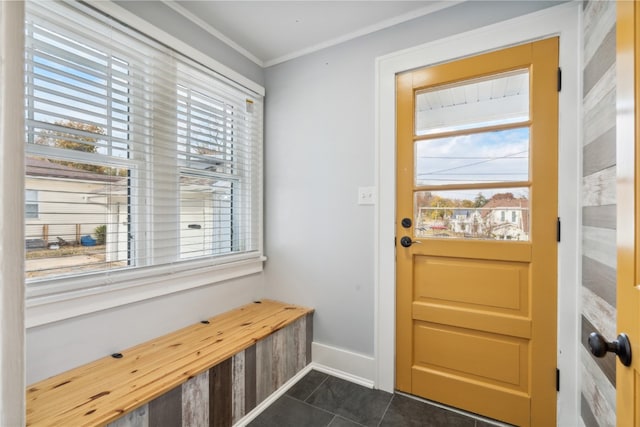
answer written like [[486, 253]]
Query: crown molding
[[431, 8]]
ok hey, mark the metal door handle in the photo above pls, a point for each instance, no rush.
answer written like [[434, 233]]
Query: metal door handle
[[406, 241], [620, 346]]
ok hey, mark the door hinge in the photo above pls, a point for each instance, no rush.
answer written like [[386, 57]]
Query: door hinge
[[558, 230], [557, 379], [559, 79]]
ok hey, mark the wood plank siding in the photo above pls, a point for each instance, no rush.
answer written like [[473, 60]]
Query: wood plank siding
[[598, 397]]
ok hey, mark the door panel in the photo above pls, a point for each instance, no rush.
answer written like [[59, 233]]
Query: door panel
[[471, 355], [476, 292], [495, 284]]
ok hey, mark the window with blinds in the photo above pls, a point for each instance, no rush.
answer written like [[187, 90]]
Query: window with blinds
[[136, 156]]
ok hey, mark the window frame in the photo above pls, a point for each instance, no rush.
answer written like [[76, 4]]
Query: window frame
[[69, 296], [31, 201]]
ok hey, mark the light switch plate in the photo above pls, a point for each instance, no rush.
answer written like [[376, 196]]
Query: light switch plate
[[366, 195]]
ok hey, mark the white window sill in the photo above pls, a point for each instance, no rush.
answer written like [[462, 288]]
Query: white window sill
[[41, 310]]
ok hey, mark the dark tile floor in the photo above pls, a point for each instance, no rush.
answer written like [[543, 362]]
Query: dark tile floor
[[321, 400]]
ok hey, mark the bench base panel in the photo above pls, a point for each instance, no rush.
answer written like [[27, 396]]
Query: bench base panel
[[227, 392]]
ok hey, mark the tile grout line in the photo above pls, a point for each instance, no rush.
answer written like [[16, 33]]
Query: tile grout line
[[324, 410], [350, 420], [316, 389], [386, 409], [338, 415], [313, 406]]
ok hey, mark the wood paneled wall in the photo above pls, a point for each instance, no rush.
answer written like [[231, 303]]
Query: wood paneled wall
[[225, 393], [598, 399]]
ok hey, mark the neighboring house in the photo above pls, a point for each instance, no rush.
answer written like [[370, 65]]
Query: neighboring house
[[64, 202], [503, 217], [205, 217], [506, 217], [467, 222]]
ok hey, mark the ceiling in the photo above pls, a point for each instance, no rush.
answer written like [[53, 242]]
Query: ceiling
[[270, 32]]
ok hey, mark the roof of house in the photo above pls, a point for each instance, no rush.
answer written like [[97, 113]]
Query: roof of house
[[506, 200], [36, 167]]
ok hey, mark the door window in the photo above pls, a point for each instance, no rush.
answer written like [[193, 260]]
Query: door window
[[472, 159], [473, 214], [488, 101]]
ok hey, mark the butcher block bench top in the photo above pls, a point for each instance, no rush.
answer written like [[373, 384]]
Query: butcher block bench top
[[102, 391]]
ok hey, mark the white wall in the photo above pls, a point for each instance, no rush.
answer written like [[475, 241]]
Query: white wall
[[320, 148]]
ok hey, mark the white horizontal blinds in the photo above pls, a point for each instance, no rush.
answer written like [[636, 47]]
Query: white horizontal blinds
[[78, 158], [146, 152], [216, 129]]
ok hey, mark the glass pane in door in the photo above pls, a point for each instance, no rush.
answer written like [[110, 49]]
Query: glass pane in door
[[488, 101], [498, 156], [489, 214]]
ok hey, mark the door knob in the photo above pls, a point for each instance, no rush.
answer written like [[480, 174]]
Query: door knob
[[406, 241], [620, 346]]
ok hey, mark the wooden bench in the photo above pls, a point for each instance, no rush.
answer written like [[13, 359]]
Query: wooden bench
[[102, 391]]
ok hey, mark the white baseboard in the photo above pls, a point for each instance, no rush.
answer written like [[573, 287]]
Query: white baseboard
[[342, 375], [354, 367]]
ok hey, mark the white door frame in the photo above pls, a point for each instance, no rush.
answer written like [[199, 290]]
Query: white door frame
[[564, 21], [12, 338]]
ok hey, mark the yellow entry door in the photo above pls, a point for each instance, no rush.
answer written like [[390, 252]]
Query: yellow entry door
[[628, 201], [476, 251]]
